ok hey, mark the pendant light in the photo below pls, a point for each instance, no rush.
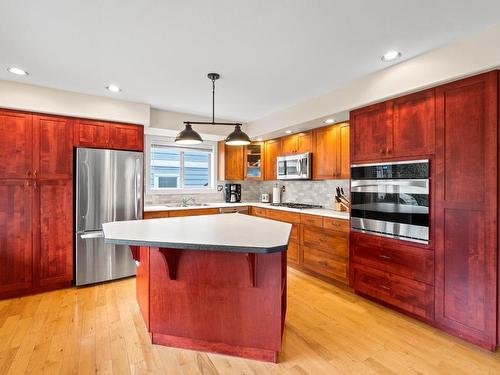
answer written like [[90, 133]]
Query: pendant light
[[189, 136], [237, 138]]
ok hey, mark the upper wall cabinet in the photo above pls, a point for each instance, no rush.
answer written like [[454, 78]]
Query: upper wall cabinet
[[371, 132], [53, 147], [398, 128], [230, 162], [16, 144], [254, 161], [297, 143], [414, 124], [272, 150], [127, 137], [331, 152], [100, 134]]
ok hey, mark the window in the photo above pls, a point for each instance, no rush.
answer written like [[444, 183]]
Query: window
[[173, 168]]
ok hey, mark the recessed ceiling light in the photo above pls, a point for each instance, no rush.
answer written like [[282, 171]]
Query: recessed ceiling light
[[329, 121], [288, 132], [391, 55], [259, 139], [18, 71], [113, 88]]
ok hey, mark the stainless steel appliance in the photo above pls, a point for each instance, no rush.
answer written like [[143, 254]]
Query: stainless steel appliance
[[294, 167], [233, 193], [391, 199], [234, 210], [108, 188]]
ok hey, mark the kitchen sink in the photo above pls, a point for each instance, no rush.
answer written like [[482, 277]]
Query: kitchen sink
[[179, 204]]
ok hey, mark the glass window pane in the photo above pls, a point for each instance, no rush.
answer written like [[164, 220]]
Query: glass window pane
[[196, 169], [165, 167]]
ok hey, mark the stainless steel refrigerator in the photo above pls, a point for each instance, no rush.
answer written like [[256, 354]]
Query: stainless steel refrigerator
[[108, 188]]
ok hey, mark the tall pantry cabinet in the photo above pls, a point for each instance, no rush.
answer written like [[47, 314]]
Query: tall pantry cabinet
[[36, 204]]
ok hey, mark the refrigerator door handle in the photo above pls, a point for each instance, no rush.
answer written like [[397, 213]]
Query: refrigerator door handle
[[138, 178], [98, 234]]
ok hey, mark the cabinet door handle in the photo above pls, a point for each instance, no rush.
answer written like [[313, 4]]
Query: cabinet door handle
[[35, 173], [388, 150], [385, 287], [384, 256], [28, 173], [34, 184], [27, 183]]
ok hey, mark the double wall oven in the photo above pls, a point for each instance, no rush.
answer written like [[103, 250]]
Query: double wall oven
[[391, 200]]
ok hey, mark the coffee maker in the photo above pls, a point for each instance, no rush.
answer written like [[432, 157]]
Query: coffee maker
[[233, 193]]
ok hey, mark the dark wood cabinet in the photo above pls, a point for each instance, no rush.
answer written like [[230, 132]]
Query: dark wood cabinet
[[414, 124], [126, 137], [399, 128], [230, 162], [92, 134], [100, 134], [16, 144], [466, 207], [54, 201], [371, 132], [52, 147], [16, 240], [408, 295], [272, 151]]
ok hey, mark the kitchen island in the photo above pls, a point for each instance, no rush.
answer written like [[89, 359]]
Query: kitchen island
[[212, 283]]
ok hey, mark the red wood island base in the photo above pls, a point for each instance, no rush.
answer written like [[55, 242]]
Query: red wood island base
[[216, 301]]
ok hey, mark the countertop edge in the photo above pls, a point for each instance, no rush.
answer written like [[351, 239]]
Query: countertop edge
[[200, 247], [331, 213]]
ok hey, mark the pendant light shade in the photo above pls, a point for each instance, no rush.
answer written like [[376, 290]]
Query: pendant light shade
[[237, 138], [188, 136]]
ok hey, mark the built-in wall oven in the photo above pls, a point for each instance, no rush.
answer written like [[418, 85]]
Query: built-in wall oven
[[391, 199], [294, 167]]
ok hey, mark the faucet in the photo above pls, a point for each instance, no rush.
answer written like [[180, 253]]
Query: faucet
[[185, 201]]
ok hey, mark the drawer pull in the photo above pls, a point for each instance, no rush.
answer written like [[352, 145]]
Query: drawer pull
[[382, 256], [385, 287]]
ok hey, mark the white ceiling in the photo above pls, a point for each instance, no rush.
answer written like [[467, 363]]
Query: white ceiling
[[271, 54]]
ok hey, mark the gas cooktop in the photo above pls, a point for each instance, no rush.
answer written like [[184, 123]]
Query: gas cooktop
[[299, 206]]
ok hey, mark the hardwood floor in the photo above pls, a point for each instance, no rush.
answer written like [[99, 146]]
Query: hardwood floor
[[328, 331]]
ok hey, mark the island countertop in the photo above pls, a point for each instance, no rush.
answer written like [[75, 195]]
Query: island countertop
[[228, 232]]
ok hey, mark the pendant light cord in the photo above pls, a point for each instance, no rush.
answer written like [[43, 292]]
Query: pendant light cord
[[213, 101]]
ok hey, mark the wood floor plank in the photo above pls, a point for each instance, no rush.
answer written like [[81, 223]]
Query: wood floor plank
[[329, 330]]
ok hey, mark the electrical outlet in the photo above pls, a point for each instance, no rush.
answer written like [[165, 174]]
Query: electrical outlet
[[283, 189], [220, 187]]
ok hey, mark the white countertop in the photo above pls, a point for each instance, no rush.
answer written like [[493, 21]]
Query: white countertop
[[313, 211], [229, 232]]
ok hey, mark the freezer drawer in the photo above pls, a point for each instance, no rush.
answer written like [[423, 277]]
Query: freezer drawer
[[97, 261]]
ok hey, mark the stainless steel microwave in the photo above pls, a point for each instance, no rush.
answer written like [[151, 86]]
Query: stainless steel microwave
[[294, 167]]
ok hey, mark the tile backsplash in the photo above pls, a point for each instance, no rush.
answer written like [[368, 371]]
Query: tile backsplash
[[312, 192]]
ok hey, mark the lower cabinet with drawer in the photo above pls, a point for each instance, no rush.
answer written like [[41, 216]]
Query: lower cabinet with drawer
[[409, 295], [318, 245], [392, 272]]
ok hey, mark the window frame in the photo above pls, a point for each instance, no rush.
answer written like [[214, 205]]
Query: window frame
[[210, 146]]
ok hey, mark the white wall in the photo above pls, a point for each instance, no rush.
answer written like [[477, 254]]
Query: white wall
[[14, 95], [462, 58]]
